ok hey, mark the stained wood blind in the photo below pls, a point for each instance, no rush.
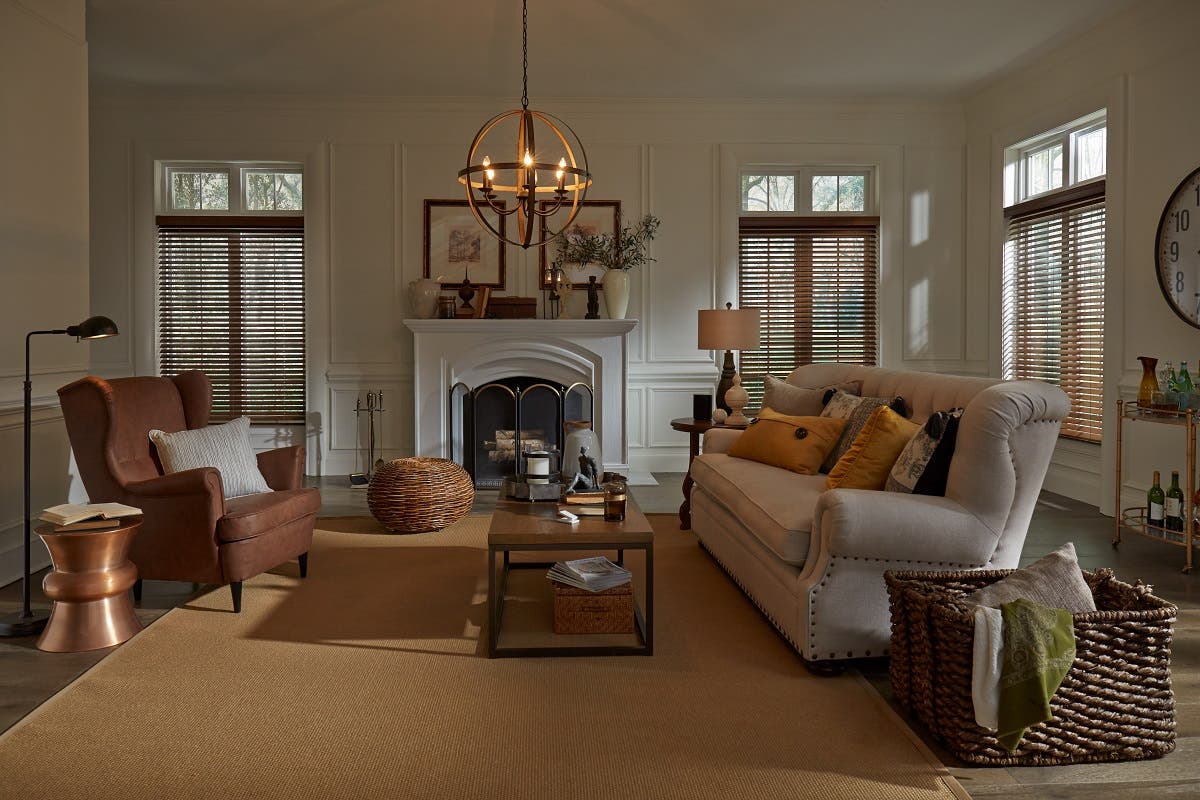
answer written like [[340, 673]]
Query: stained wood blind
[[231, 304], [1053, 316], [815, 281]]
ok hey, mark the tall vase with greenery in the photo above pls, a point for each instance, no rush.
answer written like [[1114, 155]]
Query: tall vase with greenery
[[617, 252]]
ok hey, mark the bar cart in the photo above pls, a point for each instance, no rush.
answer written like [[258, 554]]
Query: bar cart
[[1134, 519]]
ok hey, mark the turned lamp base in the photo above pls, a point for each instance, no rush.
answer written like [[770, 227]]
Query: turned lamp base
[[726, 381]]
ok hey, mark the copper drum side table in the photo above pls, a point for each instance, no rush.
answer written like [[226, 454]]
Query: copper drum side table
[[90, 586]]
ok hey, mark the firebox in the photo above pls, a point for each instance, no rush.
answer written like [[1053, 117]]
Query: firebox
[[497, 423]]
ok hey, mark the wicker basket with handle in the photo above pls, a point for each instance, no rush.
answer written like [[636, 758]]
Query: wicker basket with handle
[[581, 611], [1115, 703], [413, 495]]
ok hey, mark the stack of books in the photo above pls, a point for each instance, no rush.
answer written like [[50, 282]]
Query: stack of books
[[583, 504], [87, 516], [595, 574]]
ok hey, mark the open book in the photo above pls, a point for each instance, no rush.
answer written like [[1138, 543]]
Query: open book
[[69, 513]]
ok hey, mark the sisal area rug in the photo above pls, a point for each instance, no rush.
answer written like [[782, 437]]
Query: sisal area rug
[[370, 680]]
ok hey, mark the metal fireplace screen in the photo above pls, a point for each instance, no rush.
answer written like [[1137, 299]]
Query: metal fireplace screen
[[498, 422]]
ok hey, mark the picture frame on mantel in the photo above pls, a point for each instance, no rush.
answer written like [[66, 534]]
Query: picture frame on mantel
[[595, 217], [457, 245]]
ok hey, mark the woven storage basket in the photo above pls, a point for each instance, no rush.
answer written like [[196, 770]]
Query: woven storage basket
[[412, 495], [1115, 703], [581, 611]]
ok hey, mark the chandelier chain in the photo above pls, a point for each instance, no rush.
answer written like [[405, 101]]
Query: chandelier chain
[[524, 54]]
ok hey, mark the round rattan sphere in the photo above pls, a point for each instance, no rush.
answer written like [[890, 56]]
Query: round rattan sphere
[[414, 495]]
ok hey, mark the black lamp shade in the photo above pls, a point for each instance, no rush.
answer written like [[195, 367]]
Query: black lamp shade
[[94, 328]]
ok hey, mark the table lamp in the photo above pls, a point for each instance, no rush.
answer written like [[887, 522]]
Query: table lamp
[[28, 622], [729, 329]]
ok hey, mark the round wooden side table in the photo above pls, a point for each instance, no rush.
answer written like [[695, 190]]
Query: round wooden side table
[[90, 586], [695, 428]]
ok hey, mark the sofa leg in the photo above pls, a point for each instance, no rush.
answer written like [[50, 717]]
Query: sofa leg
[[825, 669], [236, 589], [137, 591], [303, 559]]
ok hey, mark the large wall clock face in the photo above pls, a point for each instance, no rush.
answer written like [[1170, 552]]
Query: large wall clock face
[[1177, 250]]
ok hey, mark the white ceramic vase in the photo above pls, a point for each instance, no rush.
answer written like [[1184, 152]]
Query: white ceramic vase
[[616, 293], [423, 295]]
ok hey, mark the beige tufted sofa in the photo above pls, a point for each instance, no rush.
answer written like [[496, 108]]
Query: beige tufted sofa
[[813, 560]]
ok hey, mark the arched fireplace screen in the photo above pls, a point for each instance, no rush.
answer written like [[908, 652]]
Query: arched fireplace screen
[[493, 425]]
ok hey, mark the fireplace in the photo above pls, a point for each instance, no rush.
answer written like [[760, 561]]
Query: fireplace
[[500, 421]]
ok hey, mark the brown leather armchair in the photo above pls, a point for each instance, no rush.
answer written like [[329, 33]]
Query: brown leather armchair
[[190, 532]]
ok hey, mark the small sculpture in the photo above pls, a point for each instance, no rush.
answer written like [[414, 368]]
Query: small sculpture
[[587, 468], [719, 416], [593, 306]]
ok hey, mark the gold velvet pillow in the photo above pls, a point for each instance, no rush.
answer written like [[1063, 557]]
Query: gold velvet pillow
[[870, 458], [799, 444]]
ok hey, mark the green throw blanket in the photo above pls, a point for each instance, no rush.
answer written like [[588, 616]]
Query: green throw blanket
[[1039, 649]]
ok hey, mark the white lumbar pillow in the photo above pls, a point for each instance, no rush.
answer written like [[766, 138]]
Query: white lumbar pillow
[[225, 447]]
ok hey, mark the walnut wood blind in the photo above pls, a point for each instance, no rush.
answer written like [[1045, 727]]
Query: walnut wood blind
[[814, 280], [1054, 301], [231, 304]]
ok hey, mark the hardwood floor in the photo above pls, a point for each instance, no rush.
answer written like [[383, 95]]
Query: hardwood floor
[[28, 676]]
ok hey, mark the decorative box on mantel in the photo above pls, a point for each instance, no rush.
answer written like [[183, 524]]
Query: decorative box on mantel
[[474, 352]]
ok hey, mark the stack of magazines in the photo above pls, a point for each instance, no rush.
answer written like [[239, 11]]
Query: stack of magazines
[[591, 574]]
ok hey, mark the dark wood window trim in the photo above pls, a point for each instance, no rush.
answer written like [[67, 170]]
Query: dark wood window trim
[[1056, 201]]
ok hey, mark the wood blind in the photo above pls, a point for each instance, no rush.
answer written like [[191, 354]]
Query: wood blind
[[815, 281], [1053, 313], [231, 304]]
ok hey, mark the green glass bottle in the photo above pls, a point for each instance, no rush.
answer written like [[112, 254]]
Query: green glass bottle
[[1172, 380], [1185, 380], [1154, 503], [1173, 508]]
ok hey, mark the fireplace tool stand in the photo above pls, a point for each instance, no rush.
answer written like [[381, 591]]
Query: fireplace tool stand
[[364, 450]]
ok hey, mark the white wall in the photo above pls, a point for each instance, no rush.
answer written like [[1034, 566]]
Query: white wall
[[43, 246], [1141, 66], [371, 163]]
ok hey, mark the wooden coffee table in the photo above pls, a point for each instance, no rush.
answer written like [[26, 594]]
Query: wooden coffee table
[[519, 525]]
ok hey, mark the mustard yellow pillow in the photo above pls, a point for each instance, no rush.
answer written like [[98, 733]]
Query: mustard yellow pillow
[[869, 460], [799, 444]]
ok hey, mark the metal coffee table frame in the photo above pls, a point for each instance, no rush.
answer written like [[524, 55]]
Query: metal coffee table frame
[[643, 623]]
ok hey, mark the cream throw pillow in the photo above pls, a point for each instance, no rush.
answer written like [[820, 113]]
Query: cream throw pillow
[[1054, 581], [225, 447], [799, 401]]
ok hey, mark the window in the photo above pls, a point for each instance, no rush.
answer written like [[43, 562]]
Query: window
[[1053, 285], [230, 288], [807, 190], [815, 281]]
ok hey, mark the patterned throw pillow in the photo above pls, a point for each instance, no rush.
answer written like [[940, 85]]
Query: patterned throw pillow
[[924, 465], [799, 401], [225, 447], [856, 411]]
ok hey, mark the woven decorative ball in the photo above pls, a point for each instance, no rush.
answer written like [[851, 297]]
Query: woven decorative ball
[[414, 495]]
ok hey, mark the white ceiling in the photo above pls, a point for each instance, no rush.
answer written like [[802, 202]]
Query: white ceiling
[[578, 48]]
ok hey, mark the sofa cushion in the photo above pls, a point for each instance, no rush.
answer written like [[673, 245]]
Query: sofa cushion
[[798, 444], [870, 458], [856, 411], [799, 401], [775, 505], [225, 447], [925, 463], [255, 514]]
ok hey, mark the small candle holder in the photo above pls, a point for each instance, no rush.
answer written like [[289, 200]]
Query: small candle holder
[[615, 494]]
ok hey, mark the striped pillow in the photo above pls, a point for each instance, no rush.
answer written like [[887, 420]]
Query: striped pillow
[[225, 447]]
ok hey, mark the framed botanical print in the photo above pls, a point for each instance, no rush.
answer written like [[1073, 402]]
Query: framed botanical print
[[596, 217], [457, 246]]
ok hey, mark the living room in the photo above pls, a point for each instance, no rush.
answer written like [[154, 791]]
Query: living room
[[958, 206]]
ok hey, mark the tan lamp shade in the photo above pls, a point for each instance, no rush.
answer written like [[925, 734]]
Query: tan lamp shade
[[728, 329]]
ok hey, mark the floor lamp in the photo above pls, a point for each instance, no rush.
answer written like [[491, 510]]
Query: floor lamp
[[28, 622]]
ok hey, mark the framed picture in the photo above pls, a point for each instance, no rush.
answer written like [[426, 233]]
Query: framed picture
[[596, 217], [457, 246]]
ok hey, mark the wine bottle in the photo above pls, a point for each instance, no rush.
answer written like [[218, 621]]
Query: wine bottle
[[1172, 380], [1154, 503], [1173, 507], [1185, 380]]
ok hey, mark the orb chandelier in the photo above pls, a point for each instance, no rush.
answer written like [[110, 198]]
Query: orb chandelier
[[522, 187]]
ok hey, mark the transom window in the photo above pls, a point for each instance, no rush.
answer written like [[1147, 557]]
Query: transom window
[[1059, 159], [807, 190], [233, 189]]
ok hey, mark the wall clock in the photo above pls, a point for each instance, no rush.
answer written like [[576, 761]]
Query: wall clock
[[1177, 250]]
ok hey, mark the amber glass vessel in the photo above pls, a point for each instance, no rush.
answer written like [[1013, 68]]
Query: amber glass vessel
[[1149, 384]]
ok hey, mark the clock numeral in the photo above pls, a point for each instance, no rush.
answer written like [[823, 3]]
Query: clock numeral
[[1174, 252], [1179, 283], [1183, 220], [1198, 195]]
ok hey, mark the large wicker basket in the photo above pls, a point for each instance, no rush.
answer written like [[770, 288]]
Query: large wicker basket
[[1115, 703], [413, 495]]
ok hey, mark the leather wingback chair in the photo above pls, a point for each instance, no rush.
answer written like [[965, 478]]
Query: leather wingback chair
[[190, 531]]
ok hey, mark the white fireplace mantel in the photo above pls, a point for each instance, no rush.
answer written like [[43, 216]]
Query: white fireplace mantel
[[473, 352]]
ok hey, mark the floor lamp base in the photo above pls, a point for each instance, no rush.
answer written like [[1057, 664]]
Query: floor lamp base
[[16, 624]]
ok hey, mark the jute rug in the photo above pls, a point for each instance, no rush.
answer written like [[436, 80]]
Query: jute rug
[[369, 680]]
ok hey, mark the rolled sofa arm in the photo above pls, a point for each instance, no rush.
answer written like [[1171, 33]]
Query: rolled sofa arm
[[891, 526], [719, 440], [283, 468]]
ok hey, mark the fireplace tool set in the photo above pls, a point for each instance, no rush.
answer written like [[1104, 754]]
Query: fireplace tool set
[[365, 447]]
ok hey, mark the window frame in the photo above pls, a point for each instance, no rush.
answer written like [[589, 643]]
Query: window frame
[[1016, 183], [802, 176], [164, 201]]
